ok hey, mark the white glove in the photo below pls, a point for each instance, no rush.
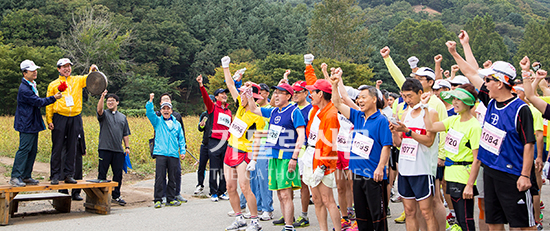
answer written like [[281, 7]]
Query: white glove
[[413, 60], [225, 61], [318, 175], [308, 59], [251, 166]]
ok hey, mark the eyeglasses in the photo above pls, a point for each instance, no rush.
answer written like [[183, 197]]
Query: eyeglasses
[[489, 79]]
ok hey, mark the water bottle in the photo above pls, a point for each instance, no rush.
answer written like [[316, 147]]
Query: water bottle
[[239, 73]]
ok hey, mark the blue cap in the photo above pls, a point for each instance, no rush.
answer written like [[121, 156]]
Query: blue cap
[[220, 91]]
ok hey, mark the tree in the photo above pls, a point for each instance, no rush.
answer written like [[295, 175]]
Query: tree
[[486, 43], [535, 44], [94, 39], [337, 31], [422, 39], [31, 28]]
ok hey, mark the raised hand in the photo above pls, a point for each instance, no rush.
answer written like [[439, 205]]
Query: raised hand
[[425, 98], [525, 64], [285, 75], [451, 46], [463, 36], [455, 68], [385, 52], [487, 64], [446, 74], [541, 74], [308, 59], [225, 61], [151, 97], [438, 58], [199, 79]]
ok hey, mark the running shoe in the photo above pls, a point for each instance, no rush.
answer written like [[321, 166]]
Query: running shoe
[[254, 226], [266, 216], [451, 219], [351, 215], [181, 199], [454, 227], [281, 221], [542, 205], [238, 224], [158, 205], [198, 190], [539, 226], [163, 200], [345, 223], [224, 196], [396, 199], [173, 203], [214, 198], [301, 222], [388, 212], [353, 227], [120, 201], [400, 219]]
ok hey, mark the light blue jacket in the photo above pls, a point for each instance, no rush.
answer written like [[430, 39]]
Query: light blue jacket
[[168, 142]]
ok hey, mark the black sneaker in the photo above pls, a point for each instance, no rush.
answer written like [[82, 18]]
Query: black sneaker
[[55, 181], [16, 182], [30, 181], [70, 180], [76, 197], [120, 201], [281, 221]]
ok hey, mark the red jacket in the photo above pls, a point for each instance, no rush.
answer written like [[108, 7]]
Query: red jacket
[[218, 131]]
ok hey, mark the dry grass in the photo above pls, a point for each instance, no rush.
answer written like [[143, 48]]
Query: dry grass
[[141, 131]]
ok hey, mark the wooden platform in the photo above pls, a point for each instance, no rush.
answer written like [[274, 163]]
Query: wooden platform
[[98, 197]]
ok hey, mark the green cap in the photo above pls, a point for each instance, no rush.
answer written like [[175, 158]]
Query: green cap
[[459, 93]]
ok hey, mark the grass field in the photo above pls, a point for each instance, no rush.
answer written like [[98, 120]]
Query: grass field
[[141, 131]]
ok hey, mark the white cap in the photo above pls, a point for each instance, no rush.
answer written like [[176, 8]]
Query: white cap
[[441, 83], [413, 60], [426, 71], [503, 71], [459, 80], [63, 61], [28, 65], [352, 92]]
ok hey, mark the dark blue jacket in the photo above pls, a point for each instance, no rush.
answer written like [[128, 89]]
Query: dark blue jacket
[[27, 115]]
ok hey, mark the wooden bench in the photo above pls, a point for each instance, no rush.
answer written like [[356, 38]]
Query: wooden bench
[[98, 197]]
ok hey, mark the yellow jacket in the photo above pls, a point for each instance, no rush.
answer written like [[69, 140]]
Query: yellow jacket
[[74, 89]]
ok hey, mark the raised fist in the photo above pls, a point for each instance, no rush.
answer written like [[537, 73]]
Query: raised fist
[[385, 52], [463, 36], [308, 59], [225, 61], [438, 58], [487, 64], [455, 68], [525, 63], [451, 46]]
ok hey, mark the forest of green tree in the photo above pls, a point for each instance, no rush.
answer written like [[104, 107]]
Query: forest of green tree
[[160, 46]]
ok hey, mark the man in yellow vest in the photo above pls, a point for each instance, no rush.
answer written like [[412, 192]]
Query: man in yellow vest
[[63, 118]]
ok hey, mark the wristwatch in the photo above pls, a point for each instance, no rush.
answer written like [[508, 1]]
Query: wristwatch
[[408, 133], [323, 167], [128, 148]]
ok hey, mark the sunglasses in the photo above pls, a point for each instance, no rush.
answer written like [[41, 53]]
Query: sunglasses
[[489, 79]]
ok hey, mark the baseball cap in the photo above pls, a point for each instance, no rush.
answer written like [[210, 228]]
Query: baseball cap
[[459, 93], [504, 72], [220, 91], [352, 92], [441, 83], [28, 65], [264, 87], [166, 104], [284, 87], [321, 84], [299, 85], [426, 71], [459, 80], [63, 61]]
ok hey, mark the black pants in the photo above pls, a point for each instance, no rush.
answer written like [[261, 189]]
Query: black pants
[[178, 183], [202, 165], [216, 153], [464, 209], [165, 165], [80, 151], [116, 161], [370, 203], [64, 135]]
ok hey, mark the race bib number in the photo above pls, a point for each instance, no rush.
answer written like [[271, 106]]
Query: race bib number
[[343, 140], [362, 145], [237, 128], [273, 134], [491, 138], [452, 141], [307, 158], [69, 101], [409, 148], [224, 119], [313, 131]]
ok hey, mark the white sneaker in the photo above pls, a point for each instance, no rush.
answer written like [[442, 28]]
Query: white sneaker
[[198, 190], [232, 213], [247, 215], [214, 198], [224, 197], [266, 216], [238, 224], [254, 226]]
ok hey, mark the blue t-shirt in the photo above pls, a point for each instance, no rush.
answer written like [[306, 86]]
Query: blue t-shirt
[[289, 118], [377, 128]]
